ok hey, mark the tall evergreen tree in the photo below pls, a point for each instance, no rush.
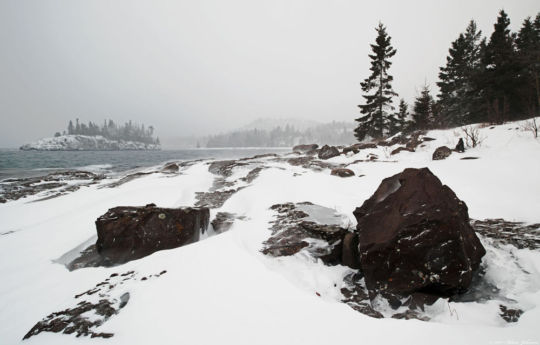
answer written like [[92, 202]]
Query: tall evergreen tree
[[377, 88], [528, 57], [423, 110], [71, 129], [456, 80], [499, 79], [400, 118]]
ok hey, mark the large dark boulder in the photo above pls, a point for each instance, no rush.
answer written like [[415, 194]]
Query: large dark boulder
[[415, 236], [327, 152], [127, 233]]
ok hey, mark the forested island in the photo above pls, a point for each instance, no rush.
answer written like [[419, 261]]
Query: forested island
[[107, 137]]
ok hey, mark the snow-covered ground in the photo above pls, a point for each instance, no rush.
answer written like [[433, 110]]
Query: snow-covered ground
[[86, 142], [222, 290]]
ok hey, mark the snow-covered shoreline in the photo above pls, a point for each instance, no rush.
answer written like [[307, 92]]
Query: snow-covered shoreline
[[86, 143], [223, 290]]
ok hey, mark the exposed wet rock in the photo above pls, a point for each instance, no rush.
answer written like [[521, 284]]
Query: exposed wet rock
[[366, 146], [252, 175], [127, 179], [53, 185], [309, 162], [129, 233], [305, 148], [441, 153], [415, 236], [223, 221], [342, 172], [411, 141], [304, 226], [170, 168], [91, 308], [348, 149], [510, 315], [504, 232], [355, 295], [399, 149], [327, 152], [410, 314], [350, 256], [225, 168], [214, 199]]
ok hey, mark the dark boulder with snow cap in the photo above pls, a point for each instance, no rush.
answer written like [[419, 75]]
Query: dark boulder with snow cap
[[415, 236], [127, 233], [327, 152]]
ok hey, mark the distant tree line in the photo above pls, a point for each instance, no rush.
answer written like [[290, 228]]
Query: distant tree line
[[110, 130], [484, 80], [334, 133]]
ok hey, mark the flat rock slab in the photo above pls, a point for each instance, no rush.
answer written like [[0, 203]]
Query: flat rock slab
[[505, 232], [52, 185], [127, 233]]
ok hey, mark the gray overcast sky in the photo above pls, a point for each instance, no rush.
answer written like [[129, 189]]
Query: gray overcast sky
[[200, 67]]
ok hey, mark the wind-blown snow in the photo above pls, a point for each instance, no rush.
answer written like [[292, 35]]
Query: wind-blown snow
[[223, 290], [86, 142]]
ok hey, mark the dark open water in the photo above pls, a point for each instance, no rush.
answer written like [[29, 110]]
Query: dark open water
[[16, 163]]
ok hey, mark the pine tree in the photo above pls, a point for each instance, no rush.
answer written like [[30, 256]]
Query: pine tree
[[423, 110], [499, 79], [378, 105], [528, 57], [457, 98], [400, 122], [71, 129]]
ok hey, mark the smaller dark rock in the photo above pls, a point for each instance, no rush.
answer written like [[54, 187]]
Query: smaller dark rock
[[223, 221], [342, 172], [427, 139], [399, 149], [170, 168], [352, 149], [468, 158], [285, 250], [441, 153], [327, 152], [350, 256], [460, 147], [510, 315], [305, 148]]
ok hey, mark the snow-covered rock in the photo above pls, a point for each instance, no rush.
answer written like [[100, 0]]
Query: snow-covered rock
[[86, 143]]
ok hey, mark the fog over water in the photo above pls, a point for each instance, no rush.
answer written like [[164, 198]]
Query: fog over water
[[194, 68]]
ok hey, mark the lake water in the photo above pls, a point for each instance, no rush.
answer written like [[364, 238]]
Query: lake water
[[16, 163]]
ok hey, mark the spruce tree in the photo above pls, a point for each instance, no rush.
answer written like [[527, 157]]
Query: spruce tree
[[528, 57], [499, 78], [400, 122], [423, 110], [377, 88], [457, 98]]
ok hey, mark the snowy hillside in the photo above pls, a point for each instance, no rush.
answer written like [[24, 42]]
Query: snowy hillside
[[86, 143], [223, 290]]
